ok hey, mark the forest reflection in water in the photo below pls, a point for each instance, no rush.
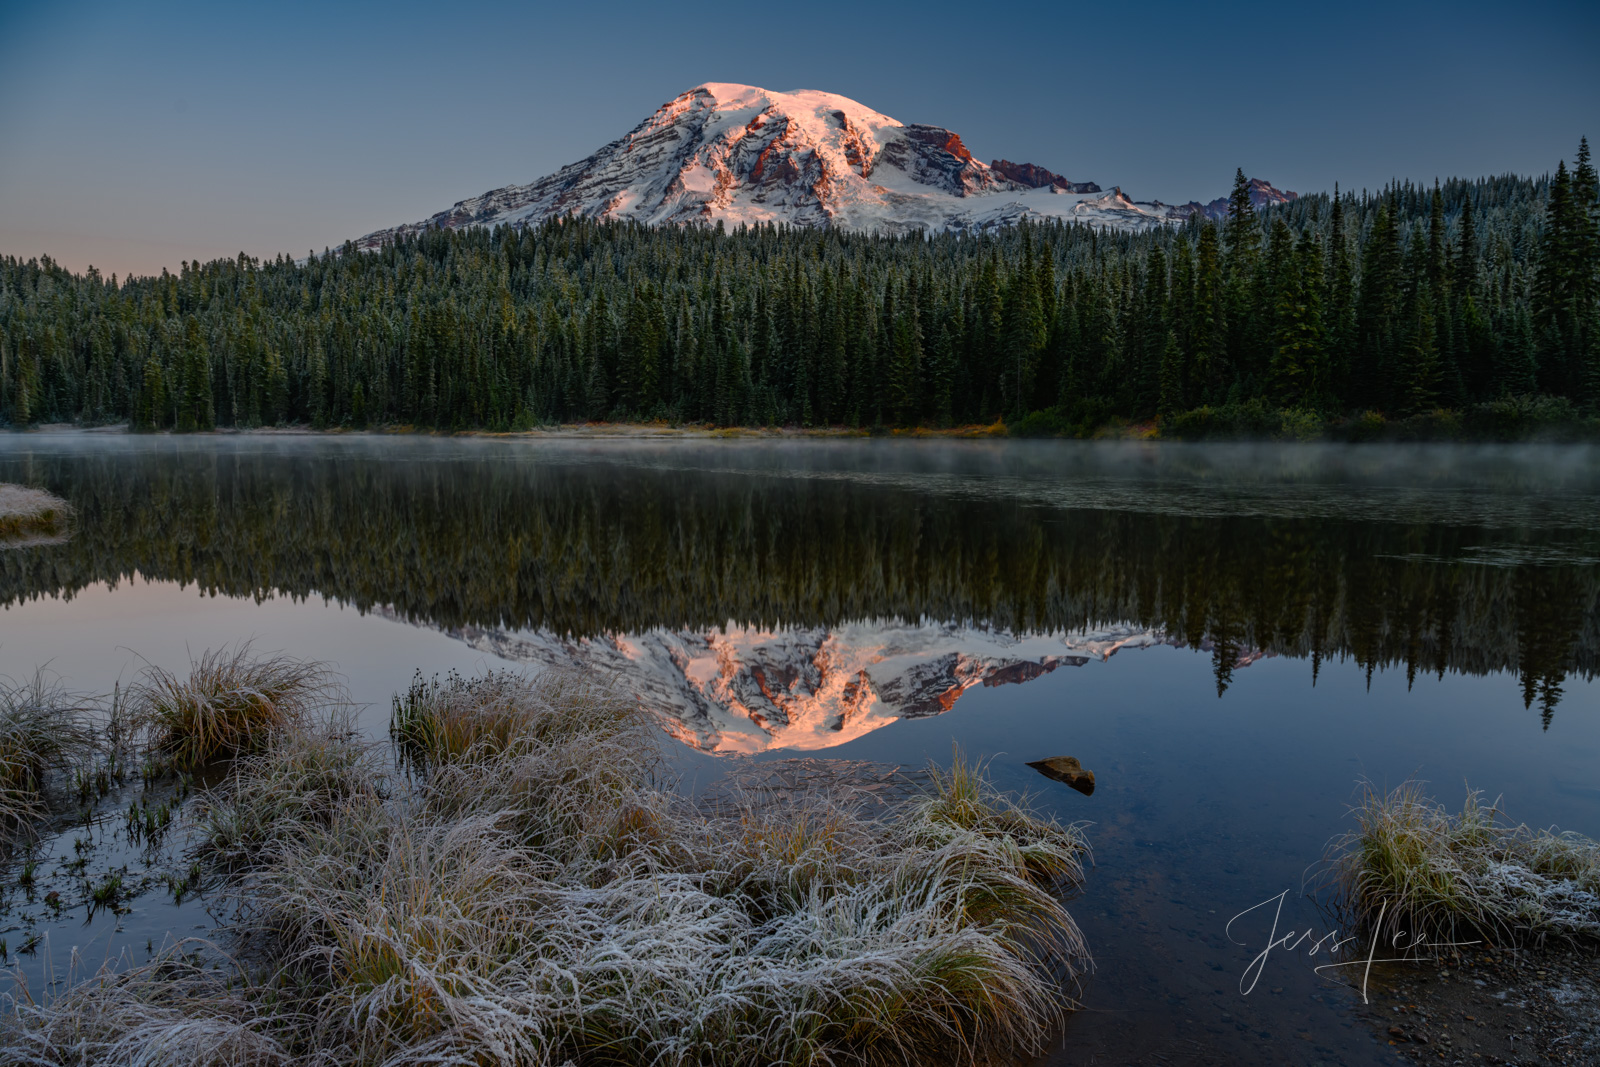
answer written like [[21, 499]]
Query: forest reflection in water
[[1430, 563]]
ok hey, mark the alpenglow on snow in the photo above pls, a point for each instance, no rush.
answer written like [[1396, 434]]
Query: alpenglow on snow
[[738, 155]]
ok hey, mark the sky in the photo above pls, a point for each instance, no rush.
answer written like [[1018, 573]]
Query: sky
[[136, 136]]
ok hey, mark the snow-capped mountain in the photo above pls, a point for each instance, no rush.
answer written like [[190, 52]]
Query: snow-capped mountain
[[737, 154], [742, 690]]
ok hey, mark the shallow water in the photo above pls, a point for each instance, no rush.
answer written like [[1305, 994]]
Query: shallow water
[[1231, 638]]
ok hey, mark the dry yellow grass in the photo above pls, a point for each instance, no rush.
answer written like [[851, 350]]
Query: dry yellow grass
[[232, 703]]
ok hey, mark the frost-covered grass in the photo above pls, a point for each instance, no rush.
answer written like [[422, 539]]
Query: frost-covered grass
[[305, 777], [476, 718], [527, 895], [26, 512], [172, 1011], [1454, 876], [232, 703], [45, 732]]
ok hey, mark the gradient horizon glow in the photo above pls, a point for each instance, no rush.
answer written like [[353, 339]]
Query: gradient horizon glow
[[136, 136]]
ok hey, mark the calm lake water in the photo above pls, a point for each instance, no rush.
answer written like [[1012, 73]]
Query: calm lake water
[[1231, 638]]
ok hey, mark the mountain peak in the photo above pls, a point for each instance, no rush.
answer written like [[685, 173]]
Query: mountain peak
[[743, 155]]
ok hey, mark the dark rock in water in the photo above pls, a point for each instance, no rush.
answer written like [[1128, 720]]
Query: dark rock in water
[[1066, 769]]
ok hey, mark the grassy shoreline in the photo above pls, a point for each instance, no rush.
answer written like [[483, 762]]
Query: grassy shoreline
[[515, 883]]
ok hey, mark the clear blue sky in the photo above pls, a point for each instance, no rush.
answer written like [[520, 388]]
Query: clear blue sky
[[133, 136]]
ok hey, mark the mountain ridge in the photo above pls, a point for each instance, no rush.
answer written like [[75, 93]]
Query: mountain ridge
[[741, 155]]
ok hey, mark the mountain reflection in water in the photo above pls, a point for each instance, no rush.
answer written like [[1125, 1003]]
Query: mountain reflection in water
[[752, 587], [749, 690]]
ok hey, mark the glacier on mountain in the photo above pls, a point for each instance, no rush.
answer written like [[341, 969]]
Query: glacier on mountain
[[739, 155]]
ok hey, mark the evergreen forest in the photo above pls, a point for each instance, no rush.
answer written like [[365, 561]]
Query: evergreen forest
[[1465, 307]]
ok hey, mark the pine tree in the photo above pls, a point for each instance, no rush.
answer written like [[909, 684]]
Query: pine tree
[[1438, 260], [1297, 362], [1207, 336], [1378, 314], [1559, 288], [1023, 315], [152, 404], [945, 359], [1586, 275], [905, 372], [195, 410], [570, 319], [1247, 304], [1340, 313], [1173, 399], [1422, 363]]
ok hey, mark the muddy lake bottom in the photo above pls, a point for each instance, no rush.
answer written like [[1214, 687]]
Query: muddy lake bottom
[[1230, 641]]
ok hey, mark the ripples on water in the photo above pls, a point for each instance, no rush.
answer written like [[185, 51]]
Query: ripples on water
[[1228, 635]]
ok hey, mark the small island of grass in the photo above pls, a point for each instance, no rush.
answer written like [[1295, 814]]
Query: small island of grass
[[30, 516]]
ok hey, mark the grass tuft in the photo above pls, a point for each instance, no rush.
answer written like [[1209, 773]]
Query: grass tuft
[[45, 731], [29, 515], [232, 703], [171, 1011], [456, 719], [1414, 868], [303, 779]]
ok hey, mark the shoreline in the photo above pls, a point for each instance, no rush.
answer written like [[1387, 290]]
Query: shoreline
[[1142, 433]]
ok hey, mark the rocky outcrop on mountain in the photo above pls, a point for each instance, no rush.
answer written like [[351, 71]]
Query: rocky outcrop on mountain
[[739, 155], [1262, 194], [1038, 178]]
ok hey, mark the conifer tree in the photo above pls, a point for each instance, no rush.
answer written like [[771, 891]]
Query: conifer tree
[[1207, 337], [1559, 287], [1379, 310], [1174, 398], [905, 382], [195, 403]]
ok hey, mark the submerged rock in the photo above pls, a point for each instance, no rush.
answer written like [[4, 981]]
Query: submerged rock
[[1066, 769]]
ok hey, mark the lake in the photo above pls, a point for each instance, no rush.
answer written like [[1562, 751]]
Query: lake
[[1232, 638]]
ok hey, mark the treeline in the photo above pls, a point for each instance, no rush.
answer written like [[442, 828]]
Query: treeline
[[1404, 302], [473, 539]]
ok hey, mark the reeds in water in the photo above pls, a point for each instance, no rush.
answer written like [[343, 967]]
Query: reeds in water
[[45, 731], [232, 703], [1414, 867]]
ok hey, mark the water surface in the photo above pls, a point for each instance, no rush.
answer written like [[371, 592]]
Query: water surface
[[1230, 637]]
